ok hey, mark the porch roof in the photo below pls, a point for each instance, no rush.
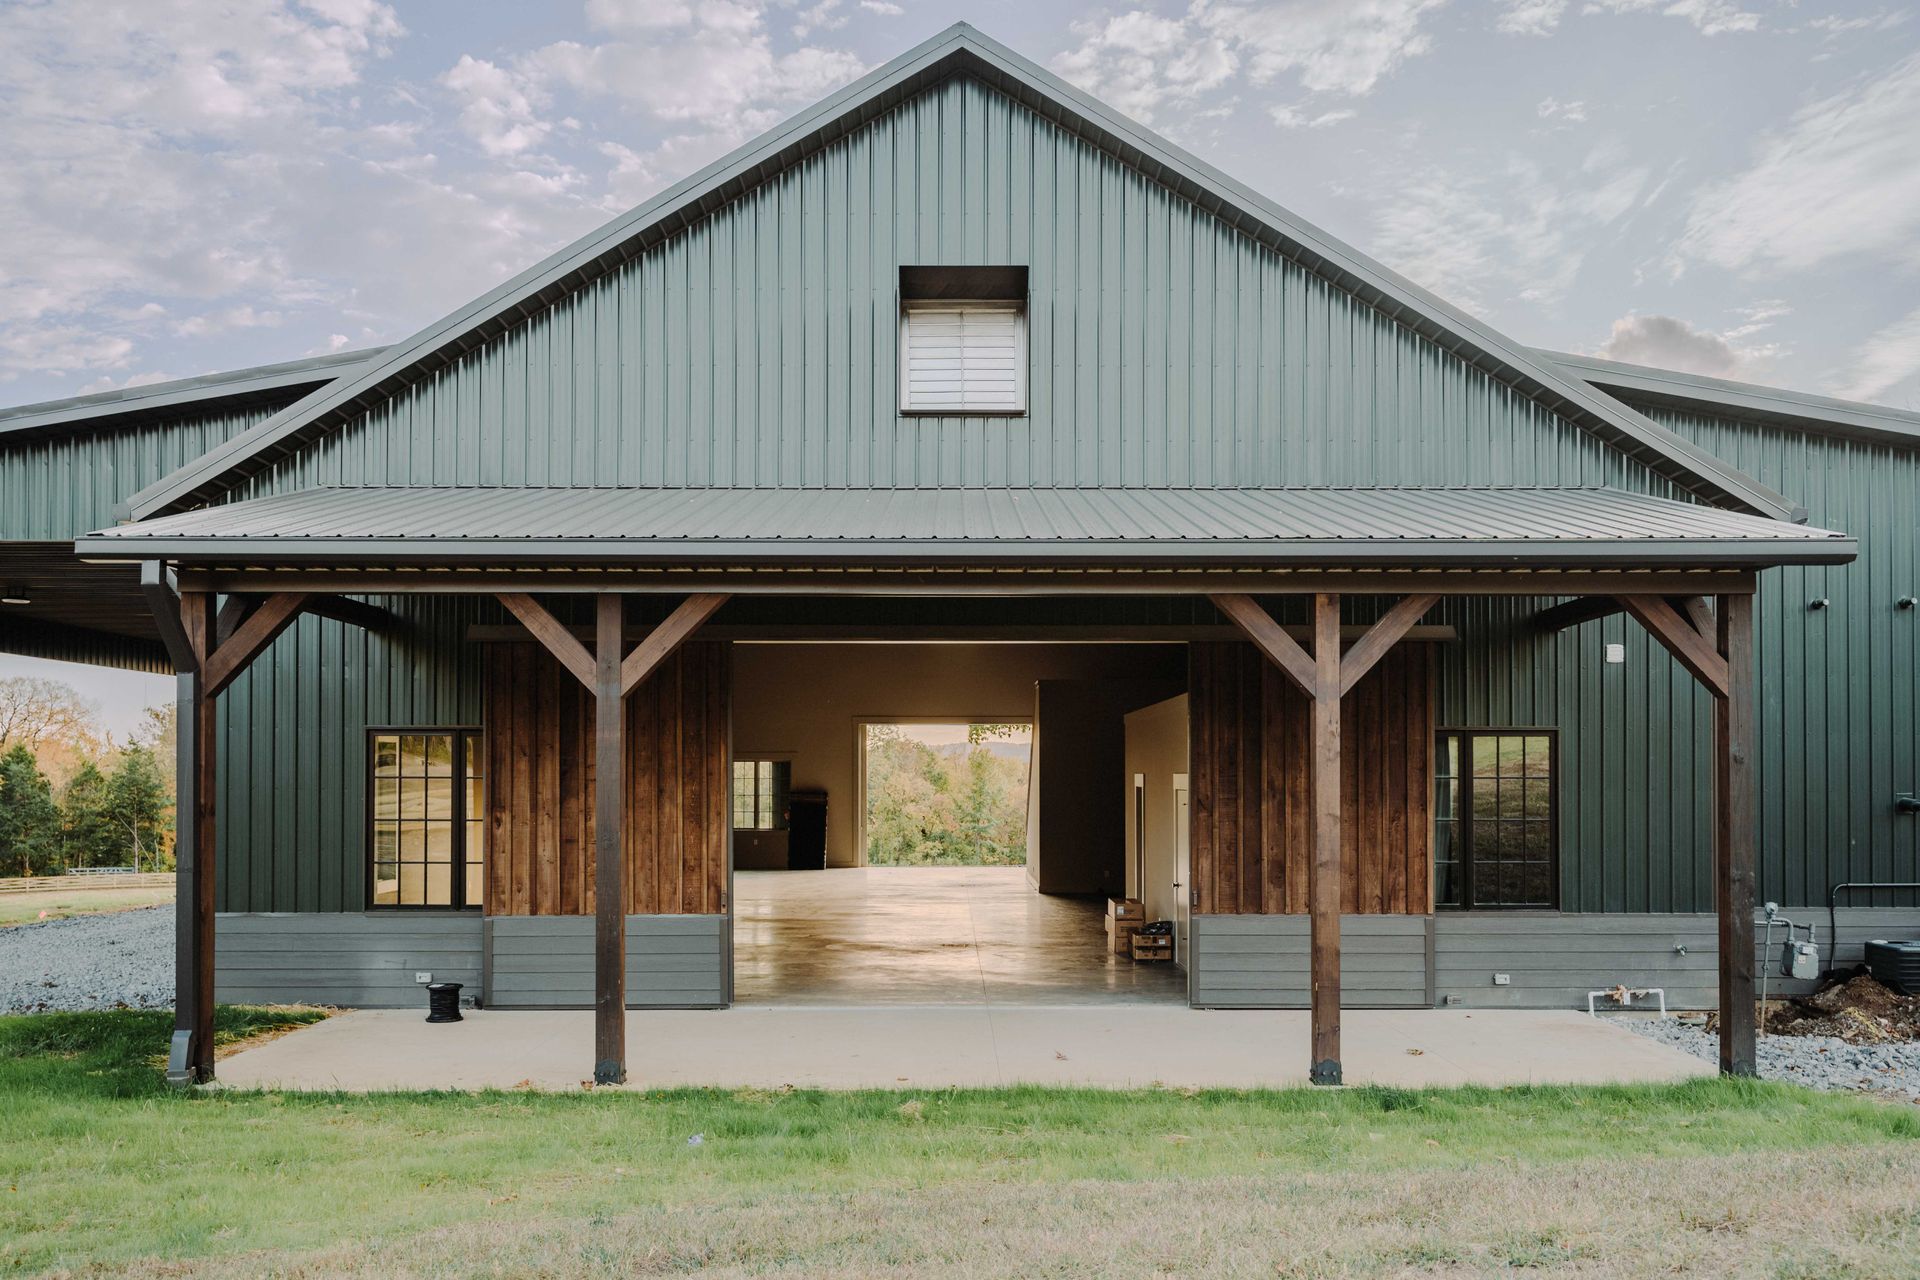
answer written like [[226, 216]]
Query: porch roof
[[1491, 527]]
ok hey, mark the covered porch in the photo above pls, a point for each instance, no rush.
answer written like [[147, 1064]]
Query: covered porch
[[1684, 572]]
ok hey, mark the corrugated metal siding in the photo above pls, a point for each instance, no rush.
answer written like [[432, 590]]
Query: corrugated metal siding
[[1840, 705], [61, 486], [759, 348], [292, 805]]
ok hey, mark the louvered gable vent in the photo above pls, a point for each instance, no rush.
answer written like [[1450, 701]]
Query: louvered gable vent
[[963, 357]]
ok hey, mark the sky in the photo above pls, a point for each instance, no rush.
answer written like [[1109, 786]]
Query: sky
[[1729, 187]]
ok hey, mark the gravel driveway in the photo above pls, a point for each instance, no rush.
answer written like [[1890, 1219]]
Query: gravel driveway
[[121, 960]]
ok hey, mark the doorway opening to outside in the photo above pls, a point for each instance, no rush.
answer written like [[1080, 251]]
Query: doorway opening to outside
[[944, 794]]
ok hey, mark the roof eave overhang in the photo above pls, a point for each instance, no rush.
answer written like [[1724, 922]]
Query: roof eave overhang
[[561, 553], [956, 50]]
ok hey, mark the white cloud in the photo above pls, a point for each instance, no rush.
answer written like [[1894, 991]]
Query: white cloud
[[1709, 17], [1141, 61], [885, 8], [1531, 17], [1542, 17], [1520, 232], [1842, 180], [1293, 118], [824, 16], [1889, 358], [499, 109], [1666, 342], [1567, 112]]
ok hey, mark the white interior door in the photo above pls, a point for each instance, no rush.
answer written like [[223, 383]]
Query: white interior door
[[1182, 871]]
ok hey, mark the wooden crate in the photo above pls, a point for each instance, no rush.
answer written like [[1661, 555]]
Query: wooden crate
[[1152, 947]]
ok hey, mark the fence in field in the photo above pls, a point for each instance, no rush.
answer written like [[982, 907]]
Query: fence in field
[[91, 878]]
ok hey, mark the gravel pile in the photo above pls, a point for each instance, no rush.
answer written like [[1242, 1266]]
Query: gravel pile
[[1819, 1062], [121, 960]]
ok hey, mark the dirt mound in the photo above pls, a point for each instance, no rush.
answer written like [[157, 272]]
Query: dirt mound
[[1859, 1011]]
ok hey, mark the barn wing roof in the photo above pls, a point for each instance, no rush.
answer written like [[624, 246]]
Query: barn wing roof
[[108, 408], [960, 50], [1694, 391]]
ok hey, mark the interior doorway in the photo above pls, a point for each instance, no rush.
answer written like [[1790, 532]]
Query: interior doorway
[[965, 858], [944, 794]]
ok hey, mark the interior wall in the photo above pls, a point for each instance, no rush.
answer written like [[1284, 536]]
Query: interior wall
[[1156, 750], [1076, 805], [802, 702]]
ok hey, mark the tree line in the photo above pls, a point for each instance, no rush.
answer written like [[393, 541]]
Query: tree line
[[72, 797], [944, 807]]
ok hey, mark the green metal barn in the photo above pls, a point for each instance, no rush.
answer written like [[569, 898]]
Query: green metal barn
[[1394, 663]]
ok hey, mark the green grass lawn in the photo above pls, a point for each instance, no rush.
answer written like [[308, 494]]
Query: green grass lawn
[[30, 905], [104, 1171]]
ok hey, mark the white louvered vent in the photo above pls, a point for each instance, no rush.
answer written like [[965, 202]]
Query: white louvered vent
[[963, 357]]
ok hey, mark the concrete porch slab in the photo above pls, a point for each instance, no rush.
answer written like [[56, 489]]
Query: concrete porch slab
[[1112, 1046]]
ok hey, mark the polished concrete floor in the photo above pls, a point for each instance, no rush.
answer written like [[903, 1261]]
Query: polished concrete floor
[[927, 936], [958, 1045]]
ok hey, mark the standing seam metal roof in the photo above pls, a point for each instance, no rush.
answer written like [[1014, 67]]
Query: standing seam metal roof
[[1327, 525]]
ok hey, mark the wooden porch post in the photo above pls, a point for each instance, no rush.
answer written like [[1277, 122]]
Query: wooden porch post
[[1325, 677], [205, 662], [1734, 810], [609, 847], [1323, 875], [1717, 648], [190, 1057], [610, 675]]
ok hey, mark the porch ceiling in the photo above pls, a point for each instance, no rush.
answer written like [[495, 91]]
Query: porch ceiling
[[1490, 527]]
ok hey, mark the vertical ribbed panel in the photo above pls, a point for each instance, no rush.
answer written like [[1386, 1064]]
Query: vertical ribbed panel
[[1839, 712], [760, 347], [292, 798], [60, 486]]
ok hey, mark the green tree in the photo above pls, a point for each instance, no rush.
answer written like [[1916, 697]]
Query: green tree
[[87, 829], [137, 804], [959, 805], [29, 818]]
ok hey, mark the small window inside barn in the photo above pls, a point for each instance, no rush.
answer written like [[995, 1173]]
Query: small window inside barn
[[963, 340]]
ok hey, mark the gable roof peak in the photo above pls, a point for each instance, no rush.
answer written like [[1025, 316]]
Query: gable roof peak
[[961, 48]]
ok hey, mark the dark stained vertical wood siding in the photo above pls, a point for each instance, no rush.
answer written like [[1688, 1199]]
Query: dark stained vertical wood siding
[[1251, 814], [539, 722]]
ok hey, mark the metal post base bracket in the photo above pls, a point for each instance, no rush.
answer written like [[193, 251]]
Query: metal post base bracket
[[180, 1068], [609, 1073], [1327, 1072]]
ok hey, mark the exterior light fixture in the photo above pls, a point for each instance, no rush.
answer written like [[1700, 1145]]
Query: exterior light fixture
[[1818, 602], [15, 594], [1905, 602]]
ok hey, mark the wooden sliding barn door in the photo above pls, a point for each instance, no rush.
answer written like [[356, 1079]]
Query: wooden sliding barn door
[[541, 785], [1250, 733]]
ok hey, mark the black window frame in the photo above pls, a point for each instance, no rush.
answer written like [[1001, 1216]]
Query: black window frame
[[1463, 814], [461, 734], [776, 791]]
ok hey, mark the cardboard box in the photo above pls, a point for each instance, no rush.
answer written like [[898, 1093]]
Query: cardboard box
[[1120, 935], [1152, 946], [1126, 909]]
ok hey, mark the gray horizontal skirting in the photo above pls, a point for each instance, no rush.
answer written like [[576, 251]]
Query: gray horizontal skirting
[[546, 962], [362, 959], [1549, 960], [1552, 960], [1260, 962]]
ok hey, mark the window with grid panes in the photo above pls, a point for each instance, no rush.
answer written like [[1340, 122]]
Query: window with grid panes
[[760, 794], [1495, 840], [428, 818]]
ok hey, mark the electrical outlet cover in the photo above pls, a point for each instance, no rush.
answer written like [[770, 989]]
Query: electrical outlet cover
[[422, 977], [1502, 979]]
